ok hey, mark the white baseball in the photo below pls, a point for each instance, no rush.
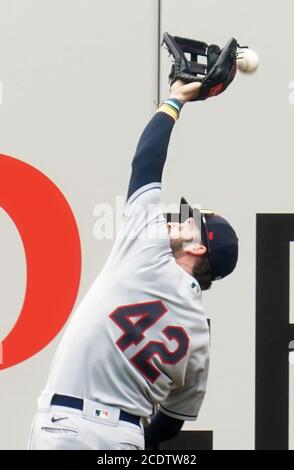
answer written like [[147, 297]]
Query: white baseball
[[247, 61]]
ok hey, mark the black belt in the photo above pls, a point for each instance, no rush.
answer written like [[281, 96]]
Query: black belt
[[78, 404]]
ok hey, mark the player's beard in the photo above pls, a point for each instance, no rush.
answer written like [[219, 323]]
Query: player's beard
[[176, 246]]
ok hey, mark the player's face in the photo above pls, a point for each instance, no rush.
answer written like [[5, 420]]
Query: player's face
[[186, 232]]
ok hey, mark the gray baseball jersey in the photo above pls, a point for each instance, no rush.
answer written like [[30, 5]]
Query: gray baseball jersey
[[140, 336]]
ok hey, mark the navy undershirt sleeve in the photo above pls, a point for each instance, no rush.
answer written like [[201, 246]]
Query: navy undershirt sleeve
[[150, 156], [162, 428]]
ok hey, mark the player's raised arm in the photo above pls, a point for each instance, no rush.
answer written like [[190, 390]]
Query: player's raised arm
[[150, 156]]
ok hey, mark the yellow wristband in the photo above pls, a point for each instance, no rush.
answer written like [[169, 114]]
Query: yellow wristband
[[165, 108]]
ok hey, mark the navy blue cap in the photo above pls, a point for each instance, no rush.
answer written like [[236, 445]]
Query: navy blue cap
[[220, 239]]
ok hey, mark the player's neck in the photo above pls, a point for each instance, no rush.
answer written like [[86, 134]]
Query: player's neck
[[186, 262]]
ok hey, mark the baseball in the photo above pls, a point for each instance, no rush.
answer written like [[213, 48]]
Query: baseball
[[247, 61]]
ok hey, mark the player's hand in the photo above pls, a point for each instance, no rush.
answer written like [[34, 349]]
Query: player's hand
[[185, 91]]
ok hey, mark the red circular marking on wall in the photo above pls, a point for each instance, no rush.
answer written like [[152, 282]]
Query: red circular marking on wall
[[52, 247]]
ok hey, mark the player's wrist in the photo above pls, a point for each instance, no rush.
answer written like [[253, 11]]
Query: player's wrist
[[177, 96]]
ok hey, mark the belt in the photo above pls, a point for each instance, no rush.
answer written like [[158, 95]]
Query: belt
[[78, 404]]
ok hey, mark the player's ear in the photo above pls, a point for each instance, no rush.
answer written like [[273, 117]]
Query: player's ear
[[196, 250]]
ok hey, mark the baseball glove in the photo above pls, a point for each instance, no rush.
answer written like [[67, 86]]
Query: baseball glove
[[215, 74]]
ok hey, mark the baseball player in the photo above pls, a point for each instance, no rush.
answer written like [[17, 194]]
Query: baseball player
[[140, 338]]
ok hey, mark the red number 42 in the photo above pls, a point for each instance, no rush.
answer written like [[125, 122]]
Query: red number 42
[[134, 320]]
